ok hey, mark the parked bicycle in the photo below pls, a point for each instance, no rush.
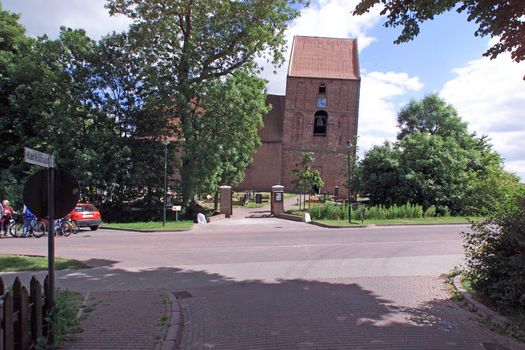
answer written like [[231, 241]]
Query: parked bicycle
[[15, 219], [37, 228], [64, 227]]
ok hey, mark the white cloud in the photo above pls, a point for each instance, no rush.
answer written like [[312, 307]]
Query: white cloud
[[328, 18], [45, 17], [378, 107], [490, 96]]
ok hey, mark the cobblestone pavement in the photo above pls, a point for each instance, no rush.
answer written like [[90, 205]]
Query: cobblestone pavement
[[121, 320], [362, 313]]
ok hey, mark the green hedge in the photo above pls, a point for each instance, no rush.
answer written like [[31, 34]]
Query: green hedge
[[334, 211]]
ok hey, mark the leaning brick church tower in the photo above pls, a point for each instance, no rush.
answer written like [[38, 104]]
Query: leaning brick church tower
[[321, 107], [318, 114]]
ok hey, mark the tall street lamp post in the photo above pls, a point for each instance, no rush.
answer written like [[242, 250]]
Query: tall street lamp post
[[349, 148], [165, 142]]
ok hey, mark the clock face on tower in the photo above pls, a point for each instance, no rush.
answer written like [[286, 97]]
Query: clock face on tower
[[321, 102]]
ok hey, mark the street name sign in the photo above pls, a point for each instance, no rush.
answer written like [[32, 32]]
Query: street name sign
[[38, 158]]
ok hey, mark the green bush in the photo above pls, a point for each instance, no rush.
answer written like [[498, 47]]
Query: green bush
[[430, 212], [334, 211], [495, 252]]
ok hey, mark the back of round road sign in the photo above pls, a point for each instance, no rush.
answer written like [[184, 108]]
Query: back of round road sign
[[66, 193]]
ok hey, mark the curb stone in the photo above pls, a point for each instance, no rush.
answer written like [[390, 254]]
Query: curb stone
[[172, 339], [143, 231], [320, 224], [475, 306]]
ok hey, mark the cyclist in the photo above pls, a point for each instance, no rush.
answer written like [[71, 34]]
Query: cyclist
[[28, 217], [8, 212]]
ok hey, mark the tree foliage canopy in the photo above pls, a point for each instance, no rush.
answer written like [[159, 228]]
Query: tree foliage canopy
[[495, 18], [436, 162], [431, 115], [184, 44], [184, 71]]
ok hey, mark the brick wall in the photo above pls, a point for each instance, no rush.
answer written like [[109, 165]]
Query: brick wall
[[330, 151]]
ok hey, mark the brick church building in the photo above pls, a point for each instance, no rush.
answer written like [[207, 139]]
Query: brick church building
[[318, 114]]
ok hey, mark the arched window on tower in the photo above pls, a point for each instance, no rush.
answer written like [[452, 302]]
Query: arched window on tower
[[320, 121]]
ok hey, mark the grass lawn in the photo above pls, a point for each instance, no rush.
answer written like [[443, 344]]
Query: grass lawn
[[183, 225], [434, 220], [65, 321], [15, 263]]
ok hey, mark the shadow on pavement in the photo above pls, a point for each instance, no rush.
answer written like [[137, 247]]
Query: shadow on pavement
[[223, 313], [99, 262]]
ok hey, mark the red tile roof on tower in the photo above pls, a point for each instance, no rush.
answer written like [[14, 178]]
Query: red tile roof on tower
[[331, 58]]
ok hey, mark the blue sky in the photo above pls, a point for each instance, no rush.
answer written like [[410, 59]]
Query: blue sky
[[442, 45], [445, 58]]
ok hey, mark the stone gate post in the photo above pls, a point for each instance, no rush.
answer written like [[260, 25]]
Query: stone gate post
[[277, 199], [226, 207]]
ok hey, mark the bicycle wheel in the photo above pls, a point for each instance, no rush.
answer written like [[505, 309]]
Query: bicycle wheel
[[67, 230], [15, 229], [39, 229], [75, 227]]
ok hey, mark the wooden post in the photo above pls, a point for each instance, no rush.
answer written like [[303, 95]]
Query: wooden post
[[17, 289], [23, 320], [45, 308], [9, 337], [36, 311]]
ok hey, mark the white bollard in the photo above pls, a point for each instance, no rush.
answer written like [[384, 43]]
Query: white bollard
[[307, 217], [201, 219]]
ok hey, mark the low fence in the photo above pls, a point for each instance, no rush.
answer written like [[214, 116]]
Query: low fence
[[23, 314]]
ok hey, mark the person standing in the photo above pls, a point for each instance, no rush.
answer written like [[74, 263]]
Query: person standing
[[6, 216], [28, 217]]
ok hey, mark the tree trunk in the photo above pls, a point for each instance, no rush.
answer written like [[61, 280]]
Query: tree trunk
[[216, 201]]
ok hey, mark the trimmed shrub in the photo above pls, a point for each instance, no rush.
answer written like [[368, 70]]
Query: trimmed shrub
[[333, 211], [495, 252], [430, 212]]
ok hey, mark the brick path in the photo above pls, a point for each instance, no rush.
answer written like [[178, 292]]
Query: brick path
[[300, 314], [121, 320]]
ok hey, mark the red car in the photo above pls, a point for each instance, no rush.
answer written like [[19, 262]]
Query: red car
[[86, 215]]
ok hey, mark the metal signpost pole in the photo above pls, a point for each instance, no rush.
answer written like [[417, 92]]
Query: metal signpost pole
[[34, 189], [51, 239], [349, 183], [165, 181]]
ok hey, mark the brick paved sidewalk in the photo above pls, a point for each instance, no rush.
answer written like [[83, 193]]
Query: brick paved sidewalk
[[121, 320], [365, 313]]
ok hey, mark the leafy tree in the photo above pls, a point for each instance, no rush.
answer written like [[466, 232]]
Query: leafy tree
[[431, 115], [124, 99], [81, 101], [435, 171], [436, 162], [306, 178], [382, 176], [228, 130], [501, 18], [186, 43]]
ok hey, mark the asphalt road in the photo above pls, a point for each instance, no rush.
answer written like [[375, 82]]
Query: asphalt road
[[265, 249]]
